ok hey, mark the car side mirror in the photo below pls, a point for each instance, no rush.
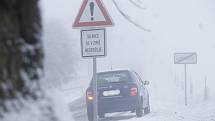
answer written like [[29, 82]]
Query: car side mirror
[[146, 82]]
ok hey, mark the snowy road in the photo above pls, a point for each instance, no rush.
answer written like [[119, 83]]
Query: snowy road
[[204, 112]]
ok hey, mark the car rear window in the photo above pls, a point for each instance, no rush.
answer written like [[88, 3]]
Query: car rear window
[[113, 77]]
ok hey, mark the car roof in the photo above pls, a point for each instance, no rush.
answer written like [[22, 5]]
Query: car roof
[[115, 70]]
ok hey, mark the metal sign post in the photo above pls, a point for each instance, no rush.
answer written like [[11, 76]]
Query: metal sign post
[[91, 15], [93, 45], [95, 103], [185, 74], [185, 58]]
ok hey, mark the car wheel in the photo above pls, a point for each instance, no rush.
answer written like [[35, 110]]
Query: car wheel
[[139, 110], [101, 115], [90, 116], [147, 109]]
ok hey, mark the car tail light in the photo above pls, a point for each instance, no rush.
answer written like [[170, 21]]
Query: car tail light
[[133, 91], [89, 95]]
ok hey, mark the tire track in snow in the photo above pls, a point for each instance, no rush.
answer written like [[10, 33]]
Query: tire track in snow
[[78, 109]]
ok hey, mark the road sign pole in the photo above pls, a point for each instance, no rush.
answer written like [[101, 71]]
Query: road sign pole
[[93, 43], [95, 103], [185, 70], [185, 58]]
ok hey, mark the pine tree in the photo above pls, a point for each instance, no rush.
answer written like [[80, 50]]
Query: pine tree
[[21, 57]]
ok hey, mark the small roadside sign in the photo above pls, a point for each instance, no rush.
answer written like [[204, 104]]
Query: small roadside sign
[[93, 42], [185, 58], [92, 14]]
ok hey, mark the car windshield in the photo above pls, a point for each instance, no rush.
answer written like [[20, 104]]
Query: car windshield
[[113, 77]]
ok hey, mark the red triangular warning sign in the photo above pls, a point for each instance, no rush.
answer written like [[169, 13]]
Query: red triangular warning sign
[[92, 14]]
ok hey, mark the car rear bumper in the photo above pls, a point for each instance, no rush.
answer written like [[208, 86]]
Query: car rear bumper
[[109, 105]]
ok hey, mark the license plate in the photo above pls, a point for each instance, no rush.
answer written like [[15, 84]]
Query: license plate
[[111, 93]]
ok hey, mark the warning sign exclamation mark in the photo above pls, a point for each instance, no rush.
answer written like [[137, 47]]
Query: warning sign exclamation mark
[[92, 10]]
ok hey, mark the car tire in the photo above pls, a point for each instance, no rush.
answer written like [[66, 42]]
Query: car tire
[[139, 110], [101, 115], [147, 109], [90, 116]]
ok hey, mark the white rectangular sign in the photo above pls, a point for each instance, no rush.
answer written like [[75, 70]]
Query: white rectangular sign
[[93, 42], [185, 58]]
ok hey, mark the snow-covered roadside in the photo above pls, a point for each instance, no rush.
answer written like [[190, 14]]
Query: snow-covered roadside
[[64, 96], [161, 110], [198, 112], [37, 110], [159, 113], [61, 106], [30, 112]]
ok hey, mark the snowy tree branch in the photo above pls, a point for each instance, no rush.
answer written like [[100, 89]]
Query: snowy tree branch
[[136, 5], [128, 18]]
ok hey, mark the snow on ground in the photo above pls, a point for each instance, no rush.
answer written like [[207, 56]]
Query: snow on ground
[[160, 111], [58, 99], [30, 110], [61, 107], [199, 112]]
